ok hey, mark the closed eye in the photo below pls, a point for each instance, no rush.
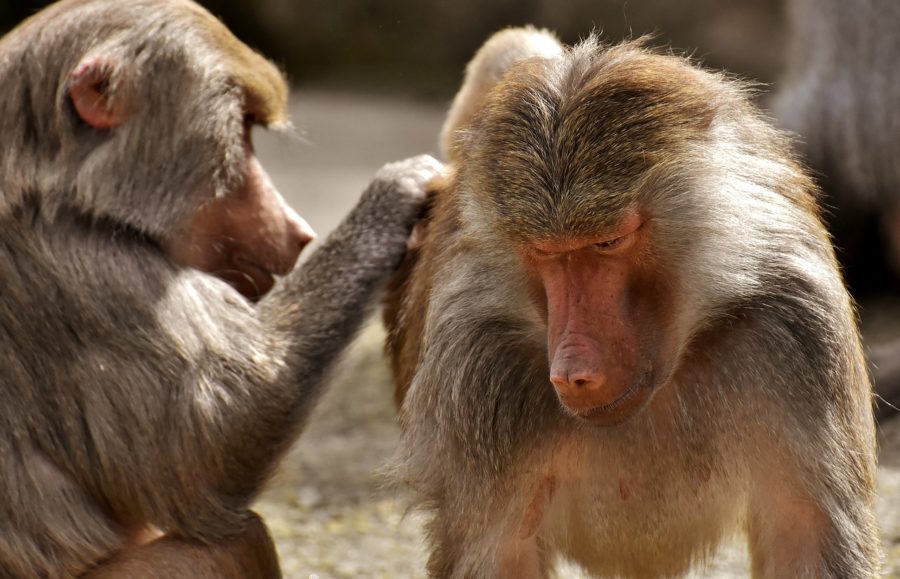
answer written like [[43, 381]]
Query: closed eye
[[609, 243], [616, 243]]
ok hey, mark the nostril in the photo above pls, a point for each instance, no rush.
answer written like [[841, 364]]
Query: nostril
[[559, 382], [584, 382]]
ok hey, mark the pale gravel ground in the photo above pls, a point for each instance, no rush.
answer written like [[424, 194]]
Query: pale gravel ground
[[328, 512]]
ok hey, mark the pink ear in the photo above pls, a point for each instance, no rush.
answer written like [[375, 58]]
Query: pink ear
[[89, 89]]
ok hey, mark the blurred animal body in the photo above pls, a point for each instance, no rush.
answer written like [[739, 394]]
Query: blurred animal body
[[841, 95]]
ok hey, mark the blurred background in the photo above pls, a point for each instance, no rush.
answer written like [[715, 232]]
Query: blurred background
[[419, 48], [372, 78], [371, 83]]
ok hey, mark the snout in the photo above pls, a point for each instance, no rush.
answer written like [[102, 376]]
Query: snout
[[297, 235]]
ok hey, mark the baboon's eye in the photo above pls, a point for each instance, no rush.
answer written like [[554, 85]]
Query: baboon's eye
[[608, 244], [616, 243]]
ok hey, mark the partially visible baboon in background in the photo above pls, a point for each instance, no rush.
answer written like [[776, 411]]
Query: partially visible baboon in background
[[841, 95], [624, 335], [137, 389]]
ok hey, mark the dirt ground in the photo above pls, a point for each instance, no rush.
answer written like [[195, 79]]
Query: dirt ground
[[328, 510]]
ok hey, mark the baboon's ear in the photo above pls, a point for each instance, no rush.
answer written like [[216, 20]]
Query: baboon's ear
[[92, 90]]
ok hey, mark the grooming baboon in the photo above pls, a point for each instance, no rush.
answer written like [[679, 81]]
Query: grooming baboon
[[137, 391], [624, 333], [841, 94]]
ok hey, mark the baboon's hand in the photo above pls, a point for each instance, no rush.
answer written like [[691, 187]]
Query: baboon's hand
[[392, 204], [402, 185]]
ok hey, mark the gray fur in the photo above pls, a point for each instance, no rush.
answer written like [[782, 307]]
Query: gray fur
[[841, 95], [137, 392]]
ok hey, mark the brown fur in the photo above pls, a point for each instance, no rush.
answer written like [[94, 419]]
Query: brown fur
[[763, 422]]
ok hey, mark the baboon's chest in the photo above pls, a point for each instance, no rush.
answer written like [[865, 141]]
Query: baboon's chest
[[668, 502]]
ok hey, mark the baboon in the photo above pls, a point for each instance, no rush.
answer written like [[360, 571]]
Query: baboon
[[624, 333], [841, 95], [141, 392]]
